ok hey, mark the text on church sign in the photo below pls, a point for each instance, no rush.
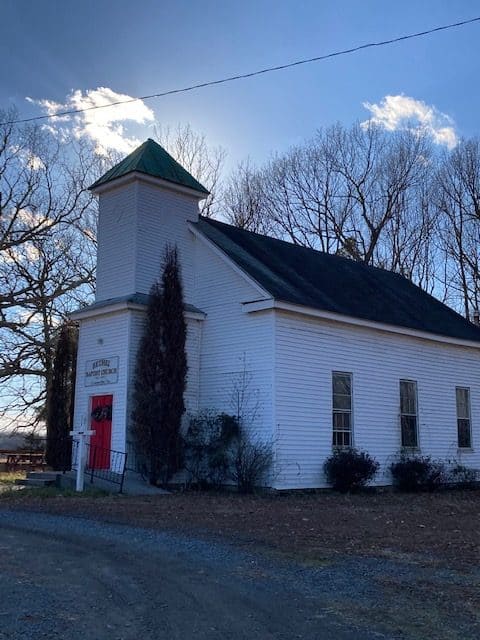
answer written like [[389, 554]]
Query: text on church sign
[[101, 371]]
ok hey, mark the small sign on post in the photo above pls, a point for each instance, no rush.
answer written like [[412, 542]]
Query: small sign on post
[[80, 437]]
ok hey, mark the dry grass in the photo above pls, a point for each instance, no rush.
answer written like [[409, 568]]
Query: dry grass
[[7, 478], [440, 528]]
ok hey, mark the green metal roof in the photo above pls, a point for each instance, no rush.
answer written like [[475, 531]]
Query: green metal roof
[[152, 159]]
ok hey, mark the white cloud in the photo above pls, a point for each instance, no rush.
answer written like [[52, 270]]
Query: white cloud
[[105, 127], [35, 163], [31, 219], [50, 107], [404, 112], [30, 159]]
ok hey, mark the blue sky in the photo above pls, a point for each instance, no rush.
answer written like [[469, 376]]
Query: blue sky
[[51, 49]]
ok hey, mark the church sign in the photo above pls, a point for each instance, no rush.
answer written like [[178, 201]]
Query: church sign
[[101, 371]]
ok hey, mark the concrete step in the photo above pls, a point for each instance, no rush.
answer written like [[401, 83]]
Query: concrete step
[[43, 475], [35, 482]]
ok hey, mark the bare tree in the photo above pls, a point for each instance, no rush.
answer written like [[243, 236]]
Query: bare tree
[[458, 206], [294, 197], [409, 243], [47, 252], [243, 199], [204, 162], [361, 192], [308, 204], [381, 172], [48, 246]]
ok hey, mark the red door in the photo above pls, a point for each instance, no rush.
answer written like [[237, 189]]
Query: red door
[[101, 423]]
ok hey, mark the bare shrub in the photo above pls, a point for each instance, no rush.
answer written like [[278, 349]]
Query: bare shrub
[[463, 477], [207, 448], [252, 460]]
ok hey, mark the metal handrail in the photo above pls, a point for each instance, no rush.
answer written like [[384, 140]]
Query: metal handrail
[[106, 464]]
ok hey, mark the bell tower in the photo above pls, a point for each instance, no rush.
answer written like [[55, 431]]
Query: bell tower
[[145, 203]]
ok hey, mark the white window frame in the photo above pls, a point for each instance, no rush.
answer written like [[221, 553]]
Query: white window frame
[[469, 446], [336, 431], [401, 414]]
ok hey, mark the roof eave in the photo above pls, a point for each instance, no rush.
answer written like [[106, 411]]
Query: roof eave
[[125, 305], [226, 258], [266, 305], [98, 188]]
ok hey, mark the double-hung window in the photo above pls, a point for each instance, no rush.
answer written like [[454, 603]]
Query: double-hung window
[[409, 413], [342, 409], [463, 418]]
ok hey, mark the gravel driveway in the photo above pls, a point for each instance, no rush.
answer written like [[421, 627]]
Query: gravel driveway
[[64, 577]]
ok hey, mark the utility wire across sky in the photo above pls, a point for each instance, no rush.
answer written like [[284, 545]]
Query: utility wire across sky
[[251, 74]]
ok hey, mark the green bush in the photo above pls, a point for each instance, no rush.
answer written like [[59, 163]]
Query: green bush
[[349, 469], [417, 473]]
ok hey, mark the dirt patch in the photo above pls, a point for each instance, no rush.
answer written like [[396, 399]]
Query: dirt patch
[[441, 528]]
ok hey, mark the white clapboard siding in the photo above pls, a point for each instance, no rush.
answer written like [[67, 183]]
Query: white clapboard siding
[[286, 359], [162, 218], [308, 350], [192, 347], [120, 334], [117, 223], [232, 342], [104, 337], [136, 221]]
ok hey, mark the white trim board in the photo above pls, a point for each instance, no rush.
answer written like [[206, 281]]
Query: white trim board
[[115, 183], [118, 307], [266, 305], [219, 252]]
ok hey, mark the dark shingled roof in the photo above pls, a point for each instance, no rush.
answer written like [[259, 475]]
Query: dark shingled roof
[[152, 159], [331, 283]]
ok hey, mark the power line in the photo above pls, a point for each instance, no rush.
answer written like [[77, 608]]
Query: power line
[[251, 74]]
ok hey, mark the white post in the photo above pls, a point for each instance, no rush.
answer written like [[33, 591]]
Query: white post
[[80, 437]]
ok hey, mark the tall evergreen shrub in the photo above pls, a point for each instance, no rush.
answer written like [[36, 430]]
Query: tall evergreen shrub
[[60, 398], [160, 378]]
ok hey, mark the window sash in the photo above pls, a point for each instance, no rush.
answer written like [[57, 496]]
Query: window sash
[[408, 413], [342, 438], [408, 397], [409, 431], [464, 434], [464, 427], [342, 409]]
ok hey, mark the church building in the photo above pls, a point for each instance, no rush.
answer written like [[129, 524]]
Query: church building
[[335, 353]]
